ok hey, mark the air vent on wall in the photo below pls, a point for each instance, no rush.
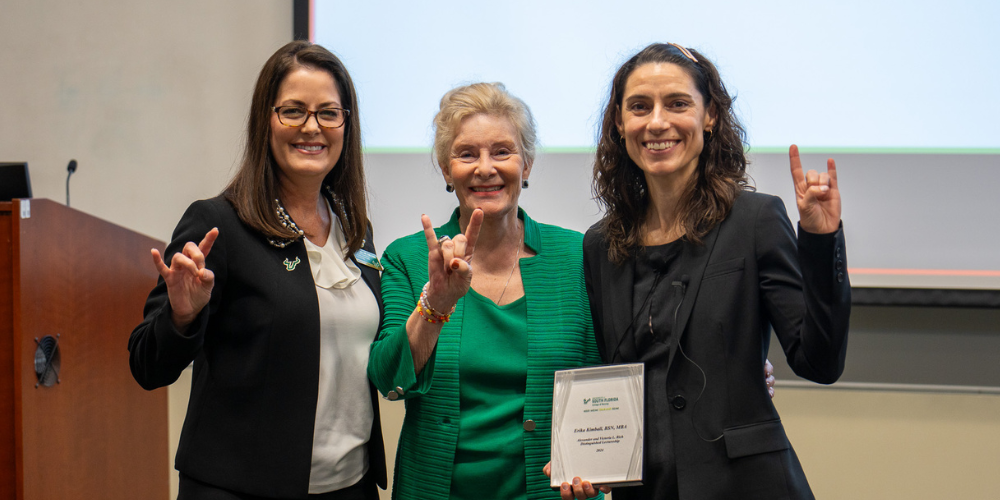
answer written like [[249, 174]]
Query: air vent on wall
[[47, 362]]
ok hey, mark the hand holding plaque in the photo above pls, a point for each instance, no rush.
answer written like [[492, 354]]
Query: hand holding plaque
[[597, 425]]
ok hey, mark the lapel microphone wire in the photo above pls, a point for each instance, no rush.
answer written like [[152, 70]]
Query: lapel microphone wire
[[660, 262]]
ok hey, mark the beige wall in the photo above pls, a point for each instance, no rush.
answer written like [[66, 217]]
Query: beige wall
[[860, 445]]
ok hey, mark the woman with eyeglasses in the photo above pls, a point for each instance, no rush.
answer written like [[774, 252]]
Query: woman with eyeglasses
[[272, 290], [690, 270]]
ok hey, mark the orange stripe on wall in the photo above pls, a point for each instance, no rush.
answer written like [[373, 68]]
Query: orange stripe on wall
[[925, 272]]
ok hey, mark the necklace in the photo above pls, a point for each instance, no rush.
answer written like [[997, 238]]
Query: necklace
[[520, 243], [286, 221]]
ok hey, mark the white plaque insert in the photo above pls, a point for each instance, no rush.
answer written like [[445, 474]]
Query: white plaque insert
[[597, 418]]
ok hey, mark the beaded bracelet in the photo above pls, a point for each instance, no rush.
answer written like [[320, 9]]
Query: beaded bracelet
[[428, 317], [427, 312]]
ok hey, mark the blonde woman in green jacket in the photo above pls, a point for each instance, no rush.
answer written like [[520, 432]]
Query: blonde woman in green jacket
[[479, 314]]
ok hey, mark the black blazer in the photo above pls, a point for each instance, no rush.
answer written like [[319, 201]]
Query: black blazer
[[255, 347], [743, 281]]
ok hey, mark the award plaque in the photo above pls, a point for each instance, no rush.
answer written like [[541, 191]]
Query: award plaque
[[597, 425]]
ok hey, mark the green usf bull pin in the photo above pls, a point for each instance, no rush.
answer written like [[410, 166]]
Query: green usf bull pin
[[290, 265]]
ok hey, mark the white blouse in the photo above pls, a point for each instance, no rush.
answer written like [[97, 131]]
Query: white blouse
[[348, 320]]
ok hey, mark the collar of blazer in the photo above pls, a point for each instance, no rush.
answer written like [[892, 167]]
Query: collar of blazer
[[619, 280]]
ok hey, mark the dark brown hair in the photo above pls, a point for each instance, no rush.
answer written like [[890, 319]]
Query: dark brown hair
[[254, 188], [620, 186]]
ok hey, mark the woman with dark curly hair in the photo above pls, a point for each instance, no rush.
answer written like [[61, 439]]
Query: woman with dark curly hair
[[690, 270]]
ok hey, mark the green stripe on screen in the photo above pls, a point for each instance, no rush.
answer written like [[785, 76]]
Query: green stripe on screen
[[752, 150]]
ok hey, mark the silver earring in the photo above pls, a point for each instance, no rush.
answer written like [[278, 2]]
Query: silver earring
[[449, 188], [524, 184]]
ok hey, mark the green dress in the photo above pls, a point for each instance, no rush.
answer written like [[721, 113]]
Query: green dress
[[559, 335], [492, 367]]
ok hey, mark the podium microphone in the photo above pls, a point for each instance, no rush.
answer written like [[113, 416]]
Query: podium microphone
[[69, 168]]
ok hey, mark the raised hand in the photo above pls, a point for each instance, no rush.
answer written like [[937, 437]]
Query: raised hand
[[189, 282], [816, 195], [449, 261]]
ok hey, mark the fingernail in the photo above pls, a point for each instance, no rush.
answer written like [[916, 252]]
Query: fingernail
[[565, 486], [576, 481], [824, 188], [454, 265]]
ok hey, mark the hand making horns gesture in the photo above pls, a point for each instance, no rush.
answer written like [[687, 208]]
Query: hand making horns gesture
[[816, 194], [449, 262], [189, 282]]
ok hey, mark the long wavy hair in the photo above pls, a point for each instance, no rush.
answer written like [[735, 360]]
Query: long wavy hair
[[620, 186], [254, 188]]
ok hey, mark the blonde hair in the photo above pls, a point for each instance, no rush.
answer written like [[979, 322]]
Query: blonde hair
[[482, 98]]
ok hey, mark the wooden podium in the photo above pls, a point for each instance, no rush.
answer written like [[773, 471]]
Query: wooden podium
[[93, 433]]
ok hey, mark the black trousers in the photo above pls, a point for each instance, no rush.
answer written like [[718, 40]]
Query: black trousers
[[192, 489]]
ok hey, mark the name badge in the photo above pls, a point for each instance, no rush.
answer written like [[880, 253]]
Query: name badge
[[366, 258]]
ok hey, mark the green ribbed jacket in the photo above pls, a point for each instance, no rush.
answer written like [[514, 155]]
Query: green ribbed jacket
[[560, 336]]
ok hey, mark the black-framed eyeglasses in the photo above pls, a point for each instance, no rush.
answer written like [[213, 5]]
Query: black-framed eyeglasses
[[297, 116]]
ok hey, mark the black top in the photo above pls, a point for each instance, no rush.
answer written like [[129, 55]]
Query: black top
[[657, 291], [659, 284]]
